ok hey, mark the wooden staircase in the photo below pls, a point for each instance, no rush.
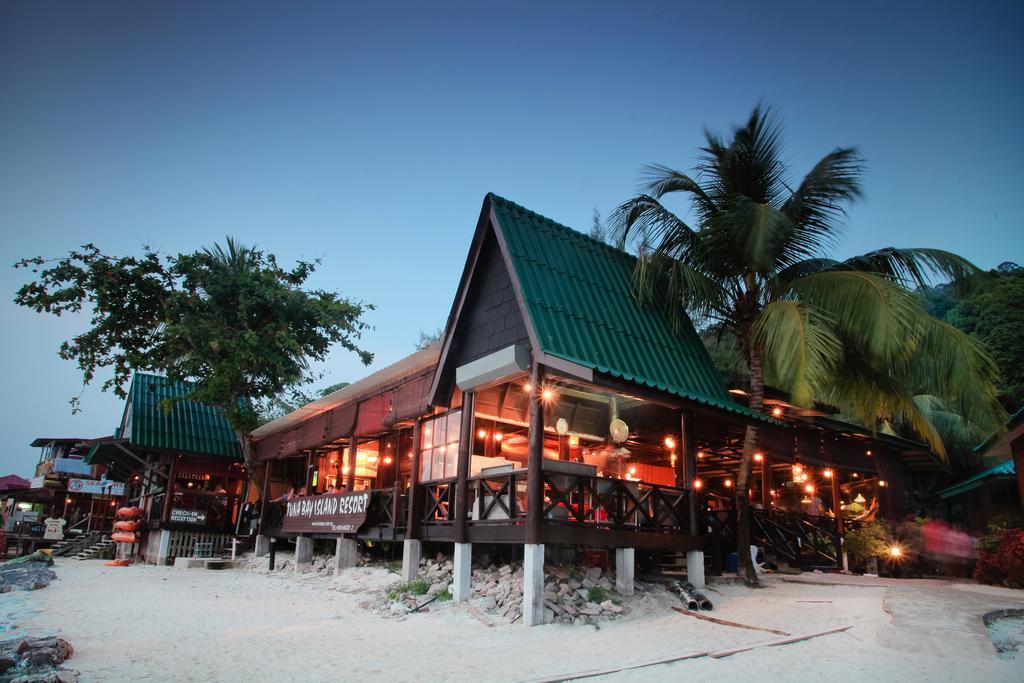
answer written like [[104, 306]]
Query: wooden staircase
[[103, 547]]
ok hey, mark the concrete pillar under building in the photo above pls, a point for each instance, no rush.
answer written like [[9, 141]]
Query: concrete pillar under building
[[411, 550], [164, 549], [461, 587], [346, 554], [695, 568], [262, 545], [533, 584], [303, 552], [625, 566]]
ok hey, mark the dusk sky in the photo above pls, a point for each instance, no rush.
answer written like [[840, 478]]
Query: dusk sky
[[367, 135]]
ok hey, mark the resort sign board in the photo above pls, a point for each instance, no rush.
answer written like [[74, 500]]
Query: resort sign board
[[188, 516], [96, 486], [340, 513]]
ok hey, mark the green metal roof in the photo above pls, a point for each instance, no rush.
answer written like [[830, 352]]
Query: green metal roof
[[1002, 470], [184, 426], [579, 297]]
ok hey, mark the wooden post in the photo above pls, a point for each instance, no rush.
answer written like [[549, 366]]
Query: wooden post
[[563, 447], [462, 470], [412, 525], [837, 510], [688, 448], [535, 458], [353, 453], [766, 481], [263, 496], [168, 491]]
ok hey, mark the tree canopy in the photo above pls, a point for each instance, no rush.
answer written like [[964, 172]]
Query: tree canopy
[[228, 318], [755, 263]]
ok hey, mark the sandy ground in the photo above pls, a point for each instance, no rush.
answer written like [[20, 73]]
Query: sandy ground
[[161, 623]]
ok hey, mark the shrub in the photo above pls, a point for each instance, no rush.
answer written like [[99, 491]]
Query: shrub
[[1002, 562], [871, 540]]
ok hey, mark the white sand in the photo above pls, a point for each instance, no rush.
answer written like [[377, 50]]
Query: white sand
[[160, 623]]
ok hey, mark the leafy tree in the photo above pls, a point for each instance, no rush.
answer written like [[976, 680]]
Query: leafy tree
[[227, 318], [995, 317], [427, 339], [755, 261], [598, 231]]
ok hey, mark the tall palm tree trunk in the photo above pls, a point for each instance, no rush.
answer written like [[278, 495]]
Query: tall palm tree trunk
[[750, 441]]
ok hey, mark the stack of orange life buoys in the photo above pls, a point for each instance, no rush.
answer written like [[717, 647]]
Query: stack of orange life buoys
[[129, 521]]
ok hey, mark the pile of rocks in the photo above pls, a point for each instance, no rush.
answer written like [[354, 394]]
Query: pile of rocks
[[572, 595], [27, 576], [36, 660]]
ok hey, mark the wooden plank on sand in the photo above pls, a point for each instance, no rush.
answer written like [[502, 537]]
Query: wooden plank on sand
[[725, 622], [774, 643]]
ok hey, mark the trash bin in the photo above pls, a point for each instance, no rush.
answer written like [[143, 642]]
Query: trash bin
[[732, 562]]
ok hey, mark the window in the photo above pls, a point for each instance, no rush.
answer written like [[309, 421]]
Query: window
[[439, 446]]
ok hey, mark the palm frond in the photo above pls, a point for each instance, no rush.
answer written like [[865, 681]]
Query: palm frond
[[800, 350], [871, 313], [917, 267], [817, 207], [658, 180], [678, 286], [645, 217]]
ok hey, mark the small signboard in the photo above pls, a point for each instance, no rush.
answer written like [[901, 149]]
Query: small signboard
[[335, 513], [197, 517], [96, 486]]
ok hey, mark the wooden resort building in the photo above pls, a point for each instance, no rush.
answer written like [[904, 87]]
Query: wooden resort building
[[181, 463], [558, 415]]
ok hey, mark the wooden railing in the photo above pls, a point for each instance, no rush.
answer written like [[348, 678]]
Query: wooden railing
[[438, 502], [805, 541], [568, 500], [387, 509]]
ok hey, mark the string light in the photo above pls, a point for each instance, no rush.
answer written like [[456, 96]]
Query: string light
[[670, 443], [882, 483], [632, 471], [547, 395], [776, 411], [809, 488], [527, 387], [758, 457], [727, 483], [387, 460], [498, 436], [697, 483], [895, 551], [827, 473], [700, 454], [482, 434]]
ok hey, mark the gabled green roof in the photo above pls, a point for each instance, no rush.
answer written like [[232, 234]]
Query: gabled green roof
[[579, 298], [185, 426], [1004, 470]]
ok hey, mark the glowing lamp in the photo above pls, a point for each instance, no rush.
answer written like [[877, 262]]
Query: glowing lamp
[[860, 499], [776, 412], [547, 394], [482, 434], [697, 483], [670, 443], [809, 488], [574, 441], [727, 483], [895, 551], [827, 473], [700, 454], [632, 471], [882, 483], [758, 457], [527, 387], [387, 460], [498, 436], [67, 500]]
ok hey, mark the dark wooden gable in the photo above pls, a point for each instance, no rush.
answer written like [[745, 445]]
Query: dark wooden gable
[[490, 317]]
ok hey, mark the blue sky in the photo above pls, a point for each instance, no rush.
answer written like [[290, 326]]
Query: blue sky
[[368, 135]]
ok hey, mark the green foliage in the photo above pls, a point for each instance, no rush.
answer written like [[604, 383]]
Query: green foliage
[[428, 339], [754, 261], [871, 540], [725, 354], [995, 317], [227, 318], [1002, 562], [445, 595], [599, 595], [414, 587]]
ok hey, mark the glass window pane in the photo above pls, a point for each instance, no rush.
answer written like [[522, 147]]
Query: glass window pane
[[437, 466], [454, 426], [425, 434], [425, 457], [451, 460], [438, 429]]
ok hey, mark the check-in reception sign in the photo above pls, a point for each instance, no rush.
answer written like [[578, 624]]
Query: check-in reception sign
[[336, 513]]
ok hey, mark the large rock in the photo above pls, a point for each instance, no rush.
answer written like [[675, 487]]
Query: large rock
[[28, 576]]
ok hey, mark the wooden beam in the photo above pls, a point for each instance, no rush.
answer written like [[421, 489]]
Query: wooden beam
[[466, 435], [353, 457], [412, 526], [535, 458], [688, 449], [165, 515], [766, 481]]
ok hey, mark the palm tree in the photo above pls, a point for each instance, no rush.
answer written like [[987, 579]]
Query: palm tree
[[754, 262]]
